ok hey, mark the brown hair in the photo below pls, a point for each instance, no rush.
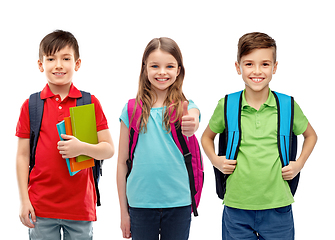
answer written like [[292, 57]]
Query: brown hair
[[174, 96], [57, 40], [250, 41]]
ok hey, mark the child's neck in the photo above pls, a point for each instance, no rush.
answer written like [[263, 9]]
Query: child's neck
[[161, 96], [62, 90], [256, 99], [159, 103]]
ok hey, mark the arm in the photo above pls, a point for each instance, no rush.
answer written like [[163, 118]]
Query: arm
[[226, 166], [190, 120], [291, 170], [73, 147], [121, 179], [22, 172]]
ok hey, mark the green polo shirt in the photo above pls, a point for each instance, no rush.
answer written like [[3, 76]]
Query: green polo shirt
[[257, 181]]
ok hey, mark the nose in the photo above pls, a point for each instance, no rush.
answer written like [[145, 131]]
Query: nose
[[257, 70], [162, 71], [59, 64]]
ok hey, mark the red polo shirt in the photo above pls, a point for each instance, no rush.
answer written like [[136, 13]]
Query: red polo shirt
[[52, 191]]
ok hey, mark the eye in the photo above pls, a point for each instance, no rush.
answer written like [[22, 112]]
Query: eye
[[50, 59], [154, 66], [170, 66], [248, 64], [67, 59], [266, 64]]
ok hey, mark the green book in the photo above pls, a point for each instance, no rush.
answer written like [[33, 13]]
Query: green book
[[84, 126]]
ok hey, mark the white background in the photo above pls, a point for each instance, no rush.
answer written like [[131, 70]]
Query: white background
[[112, 36]]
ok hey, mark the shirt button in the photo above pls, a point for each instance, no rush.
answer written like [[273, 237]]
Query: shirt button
[[60, 107], [57, 99]]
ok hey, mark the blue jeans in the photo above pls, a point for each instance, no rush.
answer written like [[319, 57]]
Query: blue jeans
[[271, 224], [169, 223], [50, 229]]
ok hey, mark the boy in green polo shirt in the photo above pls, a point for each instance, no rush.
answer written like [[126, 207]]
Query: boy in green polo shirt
[[258, 198]]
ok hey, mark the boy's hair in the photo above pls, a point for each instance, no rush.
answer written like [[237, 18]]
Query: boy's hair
[[57, 40], [250, 41], [174, 96]]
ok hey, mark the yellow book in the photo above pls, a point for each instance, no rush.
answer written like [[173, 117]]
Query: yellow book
[[74, 165], [84, 126]]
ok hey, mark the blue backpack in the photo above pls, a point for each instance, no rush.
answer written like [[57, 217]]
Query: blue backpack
[[230, 139], [36, 105]]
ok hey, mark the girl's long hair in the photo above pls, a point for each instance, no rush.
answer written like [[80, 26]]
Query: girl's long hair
[[147, 96]]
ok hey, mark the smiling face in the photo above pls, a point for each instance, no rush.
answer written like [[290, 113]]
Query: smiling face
[[60, 67], [162, 70], [256, 69]]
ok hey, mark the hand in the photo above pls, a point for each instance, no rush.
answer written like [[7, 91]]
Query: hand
[[26, 211], [225, 165], [188, 122], [125, 225], [70, 148], [291, 170]]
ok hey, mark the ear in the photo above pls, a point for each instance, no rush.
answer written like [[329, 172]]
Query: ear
[[275, 68], [40, 65], [238, 69], [178, 72], [78, 64]]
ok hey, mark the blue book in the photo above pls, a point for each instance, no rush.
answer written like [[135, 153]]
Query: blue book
[[61, 130]]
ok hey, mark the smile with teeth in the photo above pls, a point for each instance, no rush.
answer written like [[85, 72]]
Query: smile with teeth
[[59, 74], [257, 79], [162, 79]]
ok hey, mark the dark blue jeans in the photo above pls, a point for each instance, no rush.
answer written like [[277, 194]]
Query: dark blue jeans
[[267, 224], [168, 223]]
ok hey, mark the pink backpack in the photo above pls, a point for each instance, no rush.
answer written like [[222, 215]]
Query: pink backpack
[[188, 146]]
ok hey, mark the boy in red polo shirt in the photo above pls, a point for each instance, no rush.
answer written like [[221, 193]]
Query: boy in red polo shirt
[[52, 199]]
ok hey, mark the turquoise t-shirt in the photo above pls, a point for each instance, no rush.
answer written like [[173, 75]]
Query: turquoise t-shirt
[[257, 181], [159, 178]]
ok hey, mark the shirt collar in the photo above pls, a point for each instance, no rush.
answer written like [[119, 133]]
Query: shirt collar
[[271, 101], [73, 93]]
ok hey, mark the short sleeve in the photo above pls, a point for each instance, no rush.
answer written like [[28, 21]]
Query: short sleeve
[[99, 114], [217, 122], [23, 124], [191, 105], [300, 121], [124, 115]]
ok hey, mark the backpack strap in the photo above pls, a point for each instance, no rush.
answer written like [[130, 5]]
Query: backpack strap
[[84, 99], [97, 168], [285, 109], [230, 138], [286, 139], [232, 117], [133, 131], [36, 105], [181, 143]]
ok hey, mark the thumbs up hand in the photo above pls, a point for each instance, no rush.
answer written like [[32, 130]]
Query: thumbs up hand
[[190, 120]]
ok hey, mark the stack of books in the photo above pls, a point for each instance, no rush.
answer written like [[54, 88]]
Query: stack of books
[[82, 125]]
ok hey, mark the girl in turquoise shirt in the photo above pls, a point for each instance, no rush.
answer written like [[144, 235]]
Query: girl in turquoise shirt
[[155, 199]]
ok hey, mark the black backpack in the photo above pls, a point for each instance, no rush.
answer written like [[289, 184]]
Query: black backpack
[[36, 105]]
